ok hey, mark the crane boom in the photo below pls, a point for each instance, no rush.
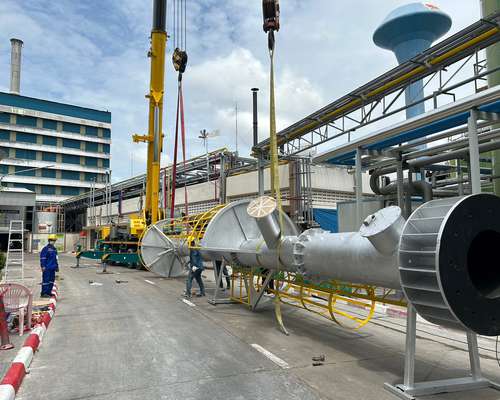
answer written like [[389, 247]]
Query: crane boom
[[154, 138]]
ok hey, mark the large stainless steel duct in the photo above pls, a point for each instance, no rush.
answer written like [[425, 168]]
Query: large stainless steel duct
[[442, 257], [15, 65]]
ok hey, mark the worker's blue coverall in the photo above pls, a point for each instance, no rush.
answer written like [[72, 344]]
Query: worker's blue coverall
[[49, 264], [195, 260]]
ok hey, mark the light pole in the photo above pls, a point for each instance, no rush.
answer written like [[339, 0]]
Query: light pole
[[204, 136]]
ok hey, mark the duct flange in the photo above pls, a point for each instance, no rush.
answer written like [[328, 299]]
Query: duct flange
[[448, 262], [159, 253]]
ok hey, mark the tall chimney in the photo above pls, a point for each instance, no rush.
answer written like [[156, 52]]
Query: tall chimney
[[15, 65]]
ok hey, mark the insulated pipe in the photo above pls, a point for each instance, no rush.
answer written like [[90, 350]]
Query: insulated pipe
[[421, 187], [440, 257]]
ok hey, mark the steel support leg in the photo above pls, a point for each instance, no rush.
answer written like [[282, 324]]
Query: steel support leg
[[260, 168], [257, 296], [359, 187], [400, 187], [475, 168], [410, 390]]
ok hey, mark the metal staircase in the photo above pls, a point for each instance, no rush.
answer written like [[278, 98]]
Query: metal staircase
[[14, 264]]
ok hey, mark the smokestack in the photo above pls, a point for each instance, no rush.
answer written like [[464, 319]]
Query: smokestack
[[15, 66]]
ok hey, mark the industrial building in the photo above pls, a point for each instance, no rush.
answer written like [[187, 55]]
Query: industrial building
[[54, 149]]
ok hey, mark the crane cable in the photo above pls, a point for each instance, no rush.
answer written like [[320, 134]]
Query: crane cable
[[179, 60], [271, 24]]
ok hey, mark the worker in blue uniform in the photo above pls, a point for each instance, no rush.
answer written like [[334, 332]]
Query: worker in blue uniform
[[49, 265], [196, 267]]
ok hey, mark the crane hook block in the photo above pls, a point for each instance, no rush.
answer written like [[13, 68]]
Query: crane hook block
[[179, 59], [271, 11]]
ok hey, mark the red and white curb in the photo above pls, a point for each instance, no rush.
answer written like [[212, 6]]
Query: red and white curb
[[20, 365]]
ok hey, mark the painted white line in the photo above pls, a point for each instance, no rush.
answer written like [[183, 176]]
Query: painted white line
[[151, 283], [274, 358], [189, 303]]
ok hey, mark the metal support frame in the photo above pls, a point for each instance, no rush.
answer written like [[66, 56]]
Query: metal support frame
[[358, 182], [475, 167], [218, 279], [410, 390]]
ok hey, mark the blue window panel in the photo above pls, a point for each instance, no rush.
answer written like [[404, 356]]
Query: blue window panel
[[49, 156], [25, 120], [49, 173], [25, 171], [90, 176], [25, 137], [91, 130], [90, 146], [69, 127], [70, 191], [48, 189], [105, 163], [91, 161], [25, 186], [106, 133], [26, 154], [4, 135], [5, 118], [4, 169], [70, 159], [105, 148], [73, 175], [71, 143], [50, 124], [49, 141]]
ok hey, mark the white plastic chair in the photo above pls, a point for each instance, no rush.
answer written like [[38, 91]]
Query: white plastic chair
[[18, 298]]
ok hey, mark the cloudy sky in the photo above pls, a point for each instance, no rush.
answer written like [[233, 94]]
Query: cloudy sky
[[93, 53]]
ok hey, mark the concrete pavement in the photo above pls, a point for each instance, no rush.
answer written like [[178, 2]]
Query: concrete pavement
[[138, 340]]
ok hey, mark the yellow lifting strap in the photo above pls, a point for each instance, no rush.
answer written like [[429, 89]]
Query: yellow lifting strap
[[275, 178]]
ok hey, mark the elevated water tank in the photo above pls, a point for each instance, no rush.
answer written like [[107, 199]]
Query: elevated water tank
[[408, 31]]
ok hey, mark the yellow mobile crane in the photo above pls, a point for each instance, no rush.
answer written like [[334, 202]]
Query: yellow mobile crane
[[152, 212], [113, 245]]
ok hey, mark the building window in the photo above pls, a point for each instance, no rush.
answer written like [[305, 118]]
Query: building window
[[90, 146], [105, 163], [91, 161], [25, 137], [70, 191], [4, 169], [70, 159], [25, 171], [69, 127], [26, 154], [50, 124], [106, 133], [48, 173], [48, 189], [5, 118], [4, 135], [49, 141], [91, 130], [73, 175], [25, 120], [90, 176], [49, 156], [25, 186], [105, 148], [71, 143]]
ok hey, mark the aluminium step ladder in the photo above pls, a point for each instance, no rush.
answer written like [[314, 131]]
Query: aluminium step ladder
[[14, 264]]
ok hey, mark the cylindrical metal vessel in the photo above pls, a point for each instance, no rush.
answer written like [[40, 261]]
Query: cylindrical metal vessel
[[444, 260]]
